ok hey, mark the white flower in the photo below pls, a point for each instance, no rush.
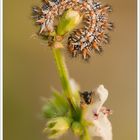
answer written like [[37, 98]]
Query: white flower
[[101, 95], [102, 127], [98, 114]]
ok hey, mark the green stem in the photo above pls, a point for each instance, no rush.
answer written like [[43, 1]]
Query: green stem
[[63, 72], [85, 136], [65, 81]]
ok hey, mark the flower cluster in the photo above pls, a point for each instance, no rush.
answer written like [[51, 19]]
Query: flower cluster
[[92, 33], [93, 116], [63, 113]]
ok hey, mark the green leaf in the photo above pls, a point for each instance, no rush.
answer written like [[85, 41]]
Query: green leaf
[[56, 106]]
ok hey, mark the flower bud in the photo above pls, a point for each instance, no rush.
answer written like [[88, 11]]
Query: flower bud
[[69, 20], [57, 126], [77, 128]]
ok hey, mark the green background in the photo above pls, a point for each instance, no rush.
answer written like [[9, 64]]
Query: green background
[[30, 72]]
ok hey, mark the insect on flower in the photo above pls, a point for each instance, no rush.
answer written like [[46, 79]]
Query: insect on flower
[[98, 114], [86, 98], [92, 33]]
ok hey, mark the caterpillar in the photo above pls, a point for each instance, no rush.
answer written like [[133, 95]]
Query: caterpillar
[[90, 37], [93, 35]]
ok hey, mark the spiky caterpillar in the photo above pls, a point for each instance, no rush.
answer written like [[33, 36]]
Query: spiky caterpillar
[[46, 15], [95, 25], [94, 32]]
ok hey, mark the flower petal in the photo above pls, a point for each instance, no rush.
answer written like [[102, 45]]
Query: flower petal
[[102, 127], [98, 115], [101, 95]]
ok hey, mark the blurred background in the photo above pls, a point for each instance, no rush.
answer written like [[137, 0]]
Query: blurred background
[[30, 72]]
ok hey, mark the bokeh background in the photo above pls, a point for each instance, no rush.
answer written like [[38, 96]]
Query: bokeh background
[[30, 72]]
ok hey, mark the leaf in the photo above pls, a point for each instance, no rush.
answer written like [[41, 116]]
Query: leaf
[[56, 106]]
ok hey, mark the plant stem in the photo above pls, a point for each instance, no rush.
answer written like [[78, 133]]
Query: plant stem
[[85, 136], [63, 72], [65, 81]]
